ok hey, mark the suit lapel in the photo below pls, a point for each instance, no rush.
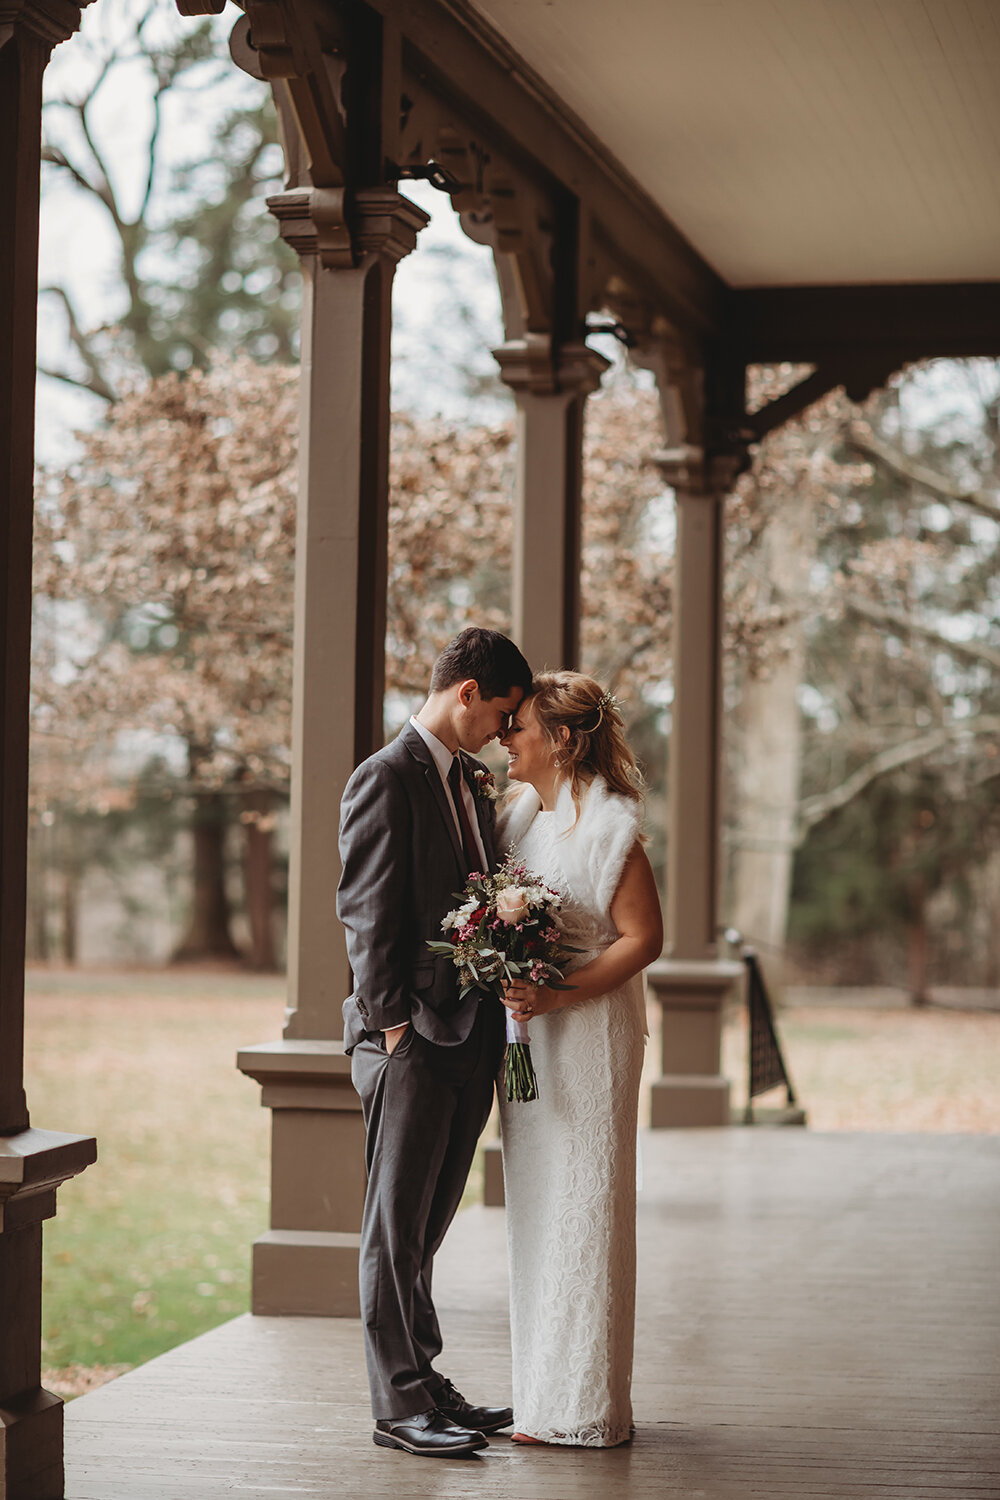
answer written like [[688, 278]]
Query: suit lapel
[[420, 752]]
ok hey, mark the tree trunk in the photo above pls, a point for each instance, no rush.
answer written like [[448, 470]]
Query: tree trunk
[[767, 783], [917, 946], [766, 773], [257, 818], [37, 945], [70, 913], [208, 935]]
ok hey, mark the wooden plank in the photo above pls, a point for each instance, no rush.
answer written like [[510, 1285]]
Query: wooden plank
[[819, 1319]]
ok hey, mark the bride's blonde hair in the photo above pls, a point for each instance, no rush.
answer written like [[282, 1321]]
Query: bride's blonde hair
[[596, 744]]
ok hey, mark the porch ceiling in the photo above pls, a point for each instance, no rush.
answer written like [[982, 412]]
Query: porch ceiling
[[834, 142]]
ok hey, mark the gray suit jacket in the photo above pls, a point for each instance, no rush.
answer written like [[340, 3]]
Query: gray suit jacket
[[402, 869]]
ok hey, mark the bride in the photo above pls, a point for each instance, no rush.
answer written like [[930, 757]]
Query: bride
[[569, 1156]]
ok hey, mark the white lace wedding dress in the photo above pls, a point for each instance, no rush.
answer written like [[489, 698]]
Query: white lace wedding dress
[[569, 1156]]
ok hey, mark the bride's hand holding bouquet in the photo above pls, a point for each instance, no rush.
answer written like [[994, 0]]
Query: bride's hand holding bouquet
[[505, 936], [524, 999]]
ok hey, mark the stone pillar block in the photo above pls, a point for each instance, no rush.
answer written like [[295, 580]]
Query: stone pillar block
[[692, 1090], [306, 1264]]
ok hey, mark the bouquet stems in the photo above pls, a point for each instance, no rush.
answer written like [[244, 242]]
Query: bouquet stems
[[520, 1084]]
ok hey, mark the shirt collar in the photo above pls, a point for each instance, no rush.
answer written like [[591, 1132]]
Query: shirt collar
[[442, 755]]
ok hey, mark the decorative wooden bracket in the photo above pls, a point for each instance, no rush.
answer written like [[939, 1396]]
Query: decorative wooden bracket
[[703, 405], [499, 202], [859, 377]]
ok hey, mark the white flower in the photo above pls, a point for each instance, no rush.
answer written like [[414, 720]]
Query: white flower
[[460, 916]]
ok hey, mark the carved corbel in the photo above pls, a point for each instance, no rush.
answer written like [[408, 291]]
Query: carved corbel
[[702, 401], [245, 56], [497, 202], [289, 49], [279, 43]]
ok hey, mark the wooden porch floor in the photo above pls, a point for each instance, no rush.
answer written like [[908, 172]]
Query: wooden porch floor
[[819, 1316]]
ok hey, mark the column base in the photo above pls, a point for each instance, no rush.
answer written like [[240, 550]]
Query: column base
[[692, 1091], [31, 1447], [306, 1265], [691, 1100], [306, 1274], [493, 1194]]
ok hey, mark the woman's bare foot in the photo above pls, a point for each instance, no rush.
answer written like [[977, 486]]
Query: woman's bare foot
[[522, 1437]]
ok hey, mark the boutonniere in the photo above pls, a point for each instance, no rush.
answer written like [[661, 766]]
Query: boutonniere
[[485, 784]]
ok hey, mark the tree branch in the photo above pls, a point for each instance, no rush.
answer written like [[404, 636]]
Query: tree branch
[[96, 387], [859, 436], [153, 139], [879, 614], [58, 158], [813, 810], [81, 342], [103, 189]]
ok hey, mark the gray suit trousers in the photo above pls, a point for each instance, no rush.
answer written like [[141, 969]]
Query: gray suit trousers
[[425, 1107]]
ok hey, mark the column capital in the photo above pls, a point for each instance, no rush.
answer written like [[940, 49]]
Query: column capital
[[386, 223], [49, 21], [530, 364], [695, 474], [319, 221]]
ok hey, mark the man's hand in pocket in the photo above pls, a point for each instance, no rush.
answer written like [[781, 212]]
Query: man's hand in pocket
[[392, 1036]]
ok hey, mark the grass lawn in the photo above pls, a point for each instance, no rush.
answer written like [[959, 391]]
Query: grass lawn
[[152, 1244]]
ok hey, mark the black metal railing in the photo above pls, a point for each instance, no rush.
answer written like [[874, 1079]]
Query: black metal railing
[[767, 1066]]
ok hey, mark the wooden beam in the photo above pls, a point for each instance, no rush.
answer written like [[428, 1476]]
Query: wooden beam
[[891, 324]]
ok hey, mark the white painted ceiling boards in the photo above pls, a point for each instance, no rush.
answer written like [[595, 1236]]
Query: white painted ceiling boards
[[792, 141]]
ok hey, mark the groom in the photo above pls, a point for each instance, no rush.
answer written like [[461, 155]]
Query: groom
[[416, 818]]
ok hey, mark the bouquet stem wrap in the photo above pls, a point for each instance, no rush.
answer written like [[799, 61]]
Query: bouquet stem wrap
[[520, 1083]]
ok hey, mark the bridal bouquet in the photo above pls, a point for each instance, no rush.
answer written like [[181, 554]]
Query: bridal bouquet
[[506, 928]]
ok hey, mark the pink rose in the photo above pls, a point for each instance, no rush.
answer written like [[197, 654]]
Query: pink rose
[[512, 907]]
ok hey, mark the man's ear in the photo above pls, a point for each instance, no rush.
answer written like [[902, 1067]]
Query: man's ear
[[466, 691]]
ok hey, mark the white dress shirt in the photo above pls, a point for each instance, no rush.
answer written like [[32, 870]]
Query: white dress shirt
[[443, 759]]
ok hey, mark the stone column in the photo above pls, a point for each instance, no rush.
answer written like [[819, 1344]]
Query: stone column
[[692, 983], [307, 1262], [32, 1162], [551, 393]]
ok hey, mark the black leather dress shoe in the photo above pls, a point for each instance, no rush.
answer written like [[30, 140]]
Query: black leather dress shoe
[[430, 1433], [485, 1418]]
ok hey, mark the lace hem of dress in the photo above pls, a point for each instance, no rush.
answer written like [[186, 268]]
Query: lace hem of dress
[[597, 1435]]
